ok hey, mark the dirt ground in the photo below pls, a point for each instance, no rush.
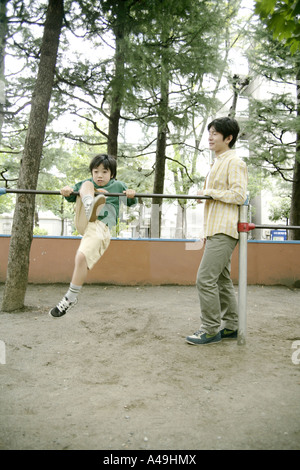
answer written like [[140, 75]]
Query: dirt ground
[[116, 373]]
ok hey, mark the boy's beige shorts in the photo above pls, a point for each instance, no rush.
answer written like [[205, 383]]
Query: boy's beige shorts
[[94, 242]]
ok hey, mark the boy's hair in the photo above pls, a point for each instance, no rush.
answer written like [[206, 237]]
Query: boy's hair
[[109, 163], [226, 126]]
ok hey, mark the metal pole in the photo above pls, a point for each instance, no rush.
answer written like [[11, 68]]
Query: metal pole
[[141, 195], [242, 290], [279, 227]]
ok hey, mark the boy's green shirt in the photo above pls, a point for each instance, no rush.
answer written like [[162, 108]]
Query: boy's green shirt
[[109, 214]]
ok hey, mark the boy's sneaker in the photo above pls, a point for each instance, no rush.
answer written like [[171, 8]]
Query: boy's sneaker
[[200, 337], [62, 307], [229, 334], [91, 209]]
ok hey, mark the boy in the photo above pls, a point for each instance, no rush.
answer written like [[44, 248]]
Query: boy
[[227, 186], [101, 216]]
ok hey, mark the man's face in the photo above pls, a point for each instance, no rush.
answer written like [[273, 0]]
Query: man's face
[[216, 141], [101, 176]]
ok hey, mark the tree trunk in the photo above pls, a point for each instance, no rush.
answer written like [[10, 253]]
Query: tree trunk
[[160, 158], [3, 32], [21, 237], [295, 202], [62, 217], [159, 179], [117, 84]]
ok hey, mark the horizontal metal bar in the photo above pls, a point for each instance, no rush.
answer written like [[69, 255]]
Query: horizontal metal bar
[[278, 227], [164, 196], [138, 195], [145, 195], [32, 191]]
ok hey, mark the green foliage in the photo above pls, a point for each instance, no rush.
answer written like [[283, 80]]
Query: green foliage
[[273, 122], [115, 232], [280, 208], [186, 34], [282, 19], [7, 202], [257, 181], [271, 126], [39, 231], [185, 43]]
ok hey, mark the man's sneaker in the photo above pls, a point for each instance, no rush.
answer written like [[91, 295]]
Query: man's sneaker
[[200, 337], [62, 307], [91, 209], [229, 334]]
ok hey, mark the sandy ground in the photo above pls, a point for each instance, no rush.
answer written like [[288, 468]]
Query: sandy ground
[[116, 373]]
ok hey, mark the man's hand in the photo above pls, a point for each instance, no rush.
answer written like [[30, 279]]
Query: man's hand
[[200, 193]]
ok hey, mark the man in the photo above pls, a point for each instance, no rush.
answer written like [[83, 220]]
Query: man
[[226, 184]]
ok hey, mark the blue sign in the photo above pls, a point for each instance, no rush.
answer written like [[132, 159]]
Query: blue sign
[[278, 235]]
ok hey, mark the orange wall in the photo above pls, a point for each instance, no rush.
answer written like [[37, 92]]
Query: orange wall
[[133, 262]]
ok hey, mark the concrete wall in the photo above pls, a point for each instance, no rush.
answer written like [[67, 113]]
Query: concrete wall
[[154, 262]]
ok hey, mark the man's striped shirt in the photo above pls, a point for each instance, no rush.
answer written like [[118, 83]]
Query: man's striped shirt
[[227, 185]]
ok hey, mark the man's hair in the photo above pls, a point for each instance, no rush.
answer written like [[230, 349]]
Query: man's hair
[[109, 163], [226, 126]]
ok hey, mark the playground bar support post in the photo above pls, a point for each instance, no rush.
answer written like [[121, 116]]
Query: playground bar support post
[[242, 288]]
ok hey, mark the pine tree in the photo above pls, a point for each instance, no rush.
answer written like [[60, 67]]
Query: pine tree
[[274, 125]]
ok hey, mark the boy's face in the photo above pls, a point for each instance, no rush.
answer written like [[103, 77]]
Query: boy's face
[[101, 176], [216, 141]]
